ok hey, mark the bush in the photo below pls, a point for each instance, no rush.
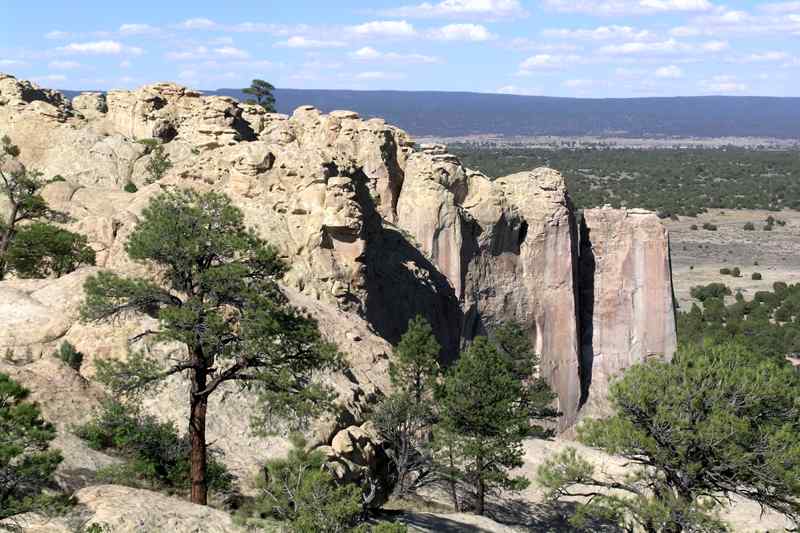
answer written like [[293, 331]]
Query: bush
[[749, 226], [157, 457], [72, 357], [158, 165], [693, 227], [736, 272], [756, 276], [709, 226], [712, 290], [130, 187], [725, 271]]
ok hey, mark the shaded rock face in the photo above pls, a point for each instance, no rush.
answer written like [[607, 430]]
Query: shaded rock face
[[375, 228], [626, 299]]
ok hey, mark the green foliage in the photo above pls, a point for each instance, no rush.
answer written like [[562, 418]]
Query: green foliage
[[749, 226], [72, 357], [717, 421], [766, 325], [709, 226], [415, 365], [130, 187], [483, 422], [712, 290], [216, 292], [43, 249], [156, 456], [27, 463], [681, 182], [756, 276], [39, 250], [158, 165], [300, 492], [262, 93], [149, 144], [725, 271]]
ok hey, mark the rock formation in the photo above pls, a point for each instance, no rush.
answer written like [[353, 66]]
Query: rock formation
[[376, 229]]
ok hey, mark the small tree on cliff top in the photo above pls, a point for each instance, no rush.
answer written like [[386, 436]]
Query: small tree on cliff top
[[216, 291], [717, 421], [262, 91]]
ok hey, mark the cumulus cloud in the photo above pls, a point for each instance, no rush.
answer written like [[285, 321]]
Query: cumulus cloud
[[627, 7], [670, 46], [461, 32], [723, 85], [137, 29], [383, 28], [545, 62], [601, 33], [377, 75], [368, 53], [766, 57], [670, 72], [304, 42], [492, 9], [100, 48], [231, 52], [56, 34], [64, 65], [781, 7], [11, 63], [197, 24]]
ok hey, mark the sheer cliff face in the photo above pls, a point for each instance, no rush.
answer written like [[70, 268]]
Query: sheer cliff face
[[376, 229], [626, 296]]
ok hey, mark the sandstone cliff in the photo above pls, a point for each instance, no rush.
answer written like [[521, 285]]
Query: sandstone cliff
[[376, 230]]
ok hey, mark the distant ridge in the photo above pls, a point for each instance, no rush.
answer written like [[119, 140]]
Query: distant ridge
[[454, 114]]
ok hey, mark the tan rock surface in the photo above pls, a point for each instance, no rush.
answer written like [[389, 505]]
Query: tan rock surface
[[626, 294]]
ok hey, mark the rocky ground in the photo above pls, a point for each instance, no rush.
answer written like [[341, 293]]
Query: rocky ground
[[698, 255]]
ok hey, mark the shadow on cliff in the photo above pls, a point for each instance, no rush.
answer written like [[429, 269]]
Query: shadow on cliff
[[402, 282], [586, 272]]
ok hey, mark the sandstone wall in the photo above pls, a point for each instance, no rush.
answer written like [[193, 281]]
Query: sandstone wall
[[376, 229], [626, 296]]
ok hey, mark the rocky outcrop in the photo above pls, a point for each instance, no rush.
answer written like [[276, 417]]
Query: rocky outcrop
[[376, 230], [626, 299]]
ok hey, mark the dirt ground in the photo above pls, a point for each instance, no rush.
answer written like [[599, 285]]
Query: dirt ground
[[698, 255]]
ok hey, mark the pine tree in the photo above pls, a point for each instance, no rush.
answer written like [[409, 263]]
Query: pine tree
[[216, 292], [27, 463], [415, 364], [262, 91], [483, 423], [29, 245]]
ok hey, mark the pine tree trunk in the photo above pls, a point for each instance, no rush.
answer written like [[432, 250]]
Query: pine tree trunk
[[453, 491], [197, 435], [481, 493], [5, 240]]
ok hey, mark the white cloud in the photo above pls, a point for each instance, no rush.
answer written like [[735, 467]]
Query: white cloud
[[384, 28], [627, 7], [101, 48], [64, 65], [56, 34], [51, 77], [304, 42], [670, 46], [11, 63], [193, 54], [781, 7], [545, 62], [601, 33], [524, 44], [513, 89], [376, 75], [231, 52], [579, 84], [670, 72], [491, 9], [197, 24], [766, 57], [274, 29], [723, 85], [136, 29], [368, 53], [461, 32]]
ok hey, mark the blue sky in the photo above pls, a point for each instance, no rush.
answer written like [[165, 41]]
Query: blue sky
[[596, 48]]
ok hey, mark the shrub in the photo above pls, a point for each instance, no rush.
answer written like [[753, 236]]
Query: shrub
[[749, 226], [709, 226], [712, 290], [756, 276], [725, 271], [157, 457], [57, 178], [72, 357], [693, 227], [130, 187], [158, 165], [736, 272]]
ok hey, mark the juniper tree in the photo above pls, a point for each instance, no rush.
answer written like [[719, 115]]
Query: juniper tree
[[29, 245], [215, 291], [27, 463], [262, 91], [717, 421]]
